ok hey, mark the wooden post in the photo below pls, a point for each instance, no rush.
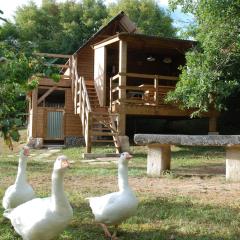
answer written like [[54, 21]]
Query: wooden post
[[212, 128], [156, 90], [70, 69], [73, 75], [88, 132], [80, 93], [75, 92], [110, 96], [82, 112], [122, 68], [158, 159], [34, 112], [122, 122]]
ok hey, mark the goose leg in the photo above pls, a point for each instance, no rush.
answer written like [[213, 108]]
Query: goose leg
[[114, 236], [106, 231]]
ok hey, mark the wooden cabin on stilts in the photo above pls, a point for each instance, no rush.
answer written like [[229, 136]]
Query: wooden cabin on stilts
[[116, 74]]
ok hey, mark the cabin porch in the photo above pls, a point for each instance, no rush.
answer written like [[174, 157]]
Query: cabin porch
[[133, 74]]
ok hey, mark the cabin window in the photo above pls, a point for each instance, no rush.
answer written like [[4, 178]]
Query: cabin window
[[55, 99]]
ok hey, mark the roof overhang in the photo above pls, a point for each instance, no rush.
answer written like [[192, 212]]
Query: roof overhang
[[140, 41], [122, 19]]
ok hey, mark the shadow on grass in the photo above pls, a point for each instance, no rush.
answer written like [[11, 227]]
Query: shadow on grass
[[157, 219], [186, 152], [164, 218]]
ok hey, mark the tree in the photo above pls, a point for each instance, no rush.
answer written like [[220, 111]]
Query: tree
[[211, 74], [2, 18], [59, 27], [147, 15], [17, 65]]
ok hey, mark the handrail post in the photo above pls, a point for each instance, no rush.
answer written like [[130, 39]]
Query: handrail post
[[70, 69], [73, 70], [122, 69], [110, 97], [156, 95], [80, 93], [75, 95], [88, 132]]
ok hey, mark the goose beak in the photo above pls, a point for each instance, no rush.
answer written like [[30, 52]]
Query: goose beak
[[26, 151], [129, 156], [65, 164]]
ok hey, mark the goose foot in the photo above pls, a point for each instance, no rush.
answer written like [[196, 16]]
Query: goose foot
[[106, 231], [114, 235], [114, 238]]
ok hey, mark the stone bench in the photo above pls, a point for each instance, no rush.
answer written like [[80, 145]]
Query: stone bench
[[159, 150]]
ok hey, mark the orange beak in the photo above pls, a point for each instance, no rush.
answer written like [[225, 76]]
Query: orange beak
[[26, 152], [65, 164], [129, 156]]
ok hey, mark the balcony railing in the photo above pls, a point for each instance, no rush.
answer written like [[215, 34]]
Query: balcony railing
[[150, 91]]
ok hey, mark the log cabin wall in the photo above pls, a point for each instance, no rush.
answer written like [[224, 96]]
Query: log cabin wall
[[85, 60], [40, 122], [71, 124]]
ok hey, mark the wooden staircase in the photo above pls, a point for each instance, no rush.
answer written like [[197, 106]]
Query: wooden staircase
[[98, 125]]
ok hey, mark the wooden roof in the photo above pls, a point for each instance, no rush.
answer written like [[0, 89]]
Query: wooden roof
[[152, 43], [123, 22]]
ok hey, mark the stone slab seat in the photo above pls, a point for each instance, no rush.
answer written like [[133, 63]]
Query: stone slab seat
[[159, 150]]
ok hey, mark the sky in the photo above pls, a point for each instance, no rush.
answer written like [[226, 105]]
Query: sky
[[9, 7]]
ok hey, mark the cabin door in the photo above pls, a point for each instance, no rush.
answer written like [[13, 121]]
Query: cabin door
[[55, 125]]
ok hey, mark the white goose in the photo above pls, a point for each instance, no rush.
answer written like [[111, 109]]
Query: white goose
[[113, 208], [44, 218], [21, 191]]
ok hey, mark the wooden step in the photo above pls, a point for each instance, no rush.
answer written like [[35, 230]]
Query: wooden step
[[103, 140], [101, 114], [104, 134], [99, 127]]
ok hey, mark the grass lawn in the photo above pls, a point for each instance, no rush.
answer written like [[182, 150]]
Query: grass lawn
[[192, 202]]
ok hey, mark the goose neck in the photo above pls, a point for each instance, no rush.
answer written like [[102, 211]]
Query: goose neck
[[58, 195], [123, 177], [21, 173]]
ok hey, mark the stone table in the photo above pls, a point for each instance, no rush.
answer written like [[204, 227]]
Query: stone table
[[159, 150]]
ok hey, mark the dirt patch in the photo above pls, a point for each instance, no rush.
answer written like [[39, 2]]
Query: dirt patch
[[206, 190], [204, 184]]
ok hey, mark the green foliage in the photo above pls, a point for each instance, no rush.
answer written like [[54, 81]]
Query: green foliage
[[63, 27], [16, 67], [147, 15], [59, 27], [212, 71]]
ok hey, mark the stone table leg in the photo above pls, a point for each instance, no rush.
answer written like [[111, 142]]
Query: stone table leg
[[158, 159], [233, 163]]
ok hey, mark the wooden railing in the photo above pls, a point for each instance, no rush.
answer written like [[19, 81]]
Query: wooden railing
[[81, 102], [152, 93], [62, 67]]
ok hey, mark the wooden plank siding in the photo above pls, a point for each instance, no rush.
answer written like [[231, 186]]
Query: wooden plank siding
[[85, 63], [73, 125], [40, 122]]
